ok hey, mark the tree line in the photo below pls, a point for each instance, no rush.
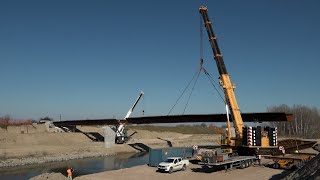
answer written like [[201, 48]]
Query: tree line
[[305, 124], [6, 121]]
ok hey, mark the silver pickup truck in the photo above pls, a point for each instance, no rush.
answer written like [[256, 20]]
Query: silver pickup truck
[[173, 164]]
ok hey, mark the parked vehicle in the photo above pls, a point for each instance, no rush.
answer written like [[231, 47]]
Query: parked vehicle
[[172, 164]]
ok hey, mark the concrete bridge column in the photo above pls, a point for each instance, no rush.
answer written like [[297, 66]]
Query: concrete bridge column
[[109, 136]]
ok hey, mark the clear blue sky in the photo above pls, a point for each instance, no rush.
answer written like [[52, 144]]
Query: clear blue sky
[[90, 59]]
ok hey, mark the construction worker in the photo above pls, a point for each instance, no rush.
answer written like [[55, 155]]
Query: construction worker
[[259, 159], [283, 152], [258, 156], [69, 172]]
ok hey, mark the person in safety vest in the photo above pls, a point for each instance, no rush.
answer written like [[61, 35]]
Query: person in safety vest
[[258, 157], [69, 172]]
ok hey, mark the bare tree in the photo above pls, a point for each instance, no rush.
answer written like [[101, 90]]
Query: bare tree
[[4, 121], [305, 123]]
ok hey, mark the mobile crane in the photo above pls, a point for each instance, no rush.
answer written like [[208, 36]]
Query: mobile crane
[[120, 135], [248, 137]]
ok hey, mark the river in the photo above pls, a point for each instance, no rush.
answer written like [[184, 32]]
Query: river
[[80, 166]]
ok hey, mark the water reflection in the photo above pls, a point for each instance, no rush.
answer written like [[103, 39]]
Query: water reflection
[[80, 166]]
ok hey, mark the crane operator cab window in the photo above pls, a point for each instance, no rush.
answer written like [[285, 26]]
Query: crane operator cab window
[[220, 81], [233, 132]]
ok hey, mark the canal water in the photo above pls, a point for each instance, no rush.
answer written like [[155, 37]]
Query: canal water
[[80, 166]]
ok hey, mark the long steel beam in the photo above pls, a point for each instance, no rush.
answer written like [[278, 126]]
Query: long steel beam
[[247, 117]]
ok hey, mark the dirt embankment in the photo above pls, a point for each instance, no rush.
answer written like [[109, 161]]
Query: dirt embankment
[[33, 144]]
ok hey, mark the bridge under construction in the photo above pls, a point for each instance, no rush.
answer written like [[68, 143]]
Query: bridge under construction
[[247, 117]]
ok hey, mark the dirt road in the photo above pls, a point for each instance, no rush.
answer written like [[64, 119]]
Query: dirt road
[[194, 172]]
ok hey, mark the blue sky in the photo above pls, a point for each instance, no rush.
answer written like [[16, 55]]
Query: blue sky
[[90, 59]]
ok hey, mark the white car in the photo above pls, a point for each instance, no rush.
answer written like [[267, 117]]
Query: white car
[[173, 164]]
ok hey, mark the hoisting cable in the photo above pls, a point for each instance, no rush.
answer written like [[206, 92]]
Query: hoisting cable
[[212, 83], [182, 93], [194, 84], [196, 75], [201, 40], [201, 64], [143, 105]]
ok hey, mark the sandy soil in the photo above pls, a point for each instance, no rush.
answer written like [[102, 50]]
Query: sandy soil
[[194, 171]]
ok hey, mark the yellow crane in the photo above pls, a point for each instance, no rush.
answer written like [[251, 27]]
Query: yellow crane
[[252, 137]]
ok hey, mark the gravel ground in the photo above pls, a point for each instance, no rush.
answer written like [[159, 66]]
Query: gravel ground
[[193, 172]]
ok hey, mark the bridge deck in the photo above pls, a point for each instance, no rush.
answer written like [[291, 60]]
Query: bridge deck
[[247, 117]]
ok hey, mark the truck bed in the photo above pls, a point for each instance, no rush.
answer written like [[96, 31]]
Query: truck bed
[[231, 160]]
